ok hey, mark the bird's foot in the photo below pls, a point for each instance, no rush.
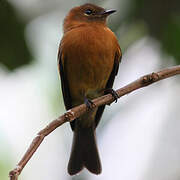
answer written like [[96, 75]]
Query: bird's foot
[[113, 93], [89, 104]]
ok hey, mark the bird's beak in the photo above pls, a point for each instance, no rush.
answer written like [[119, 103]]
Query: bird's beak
[[108, 12]]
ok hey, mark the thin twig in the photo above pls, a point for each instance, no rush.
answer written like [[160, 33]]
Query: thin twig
[[79, 110]]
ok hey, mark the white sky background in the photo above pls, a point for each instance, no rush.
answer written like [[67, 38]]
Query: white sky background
[[142, 140]]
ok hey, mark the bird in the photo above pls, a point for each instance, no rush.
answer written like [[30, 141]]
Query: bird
[[88, 61]]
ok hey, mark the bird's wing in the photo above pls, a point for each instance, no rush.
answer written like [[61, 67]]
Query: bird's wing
[[64, 83], [110, 82]]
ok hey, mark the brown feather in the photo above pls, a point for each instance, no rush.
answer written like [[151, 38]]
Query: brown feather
[[89, 57]]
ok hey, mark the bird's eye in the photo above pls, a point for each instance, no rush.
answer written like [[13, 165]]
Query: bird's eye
[[88, 11]]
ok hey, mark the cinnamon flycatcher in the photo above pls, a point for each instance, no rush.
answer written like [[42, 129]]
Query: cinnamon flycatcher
[[88, 61]]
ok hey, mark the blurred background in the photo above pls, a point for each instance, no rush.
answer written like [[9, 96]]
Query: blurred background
[[138, 138]]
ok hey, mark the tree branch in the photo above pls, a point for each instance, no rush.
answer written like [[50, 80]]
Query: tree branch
[[79, 110]]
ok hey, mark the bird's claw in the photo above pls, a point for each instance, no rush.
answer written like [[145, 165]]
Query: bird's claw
[[89, 104], [113, 93]]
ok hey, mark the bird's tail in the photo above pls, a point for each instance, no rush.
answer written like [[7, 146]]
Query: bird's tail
[[84, 151]]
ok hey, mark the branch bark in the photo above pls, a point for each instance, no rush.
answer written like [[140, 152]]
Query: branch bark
[[81, 109]]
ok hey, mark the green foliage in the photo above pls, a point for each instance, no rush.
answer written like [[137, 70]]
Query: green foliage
[[13, 48], [4, 168], [171, 38], [162, 21], [5, 157]]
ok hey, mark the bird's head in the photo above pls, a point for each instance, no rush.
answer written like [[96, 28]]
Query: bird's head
[[87, 13]]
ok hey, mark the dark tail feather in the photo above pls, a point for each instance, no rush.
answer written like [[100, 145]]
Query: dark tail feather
[[84, 152]]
